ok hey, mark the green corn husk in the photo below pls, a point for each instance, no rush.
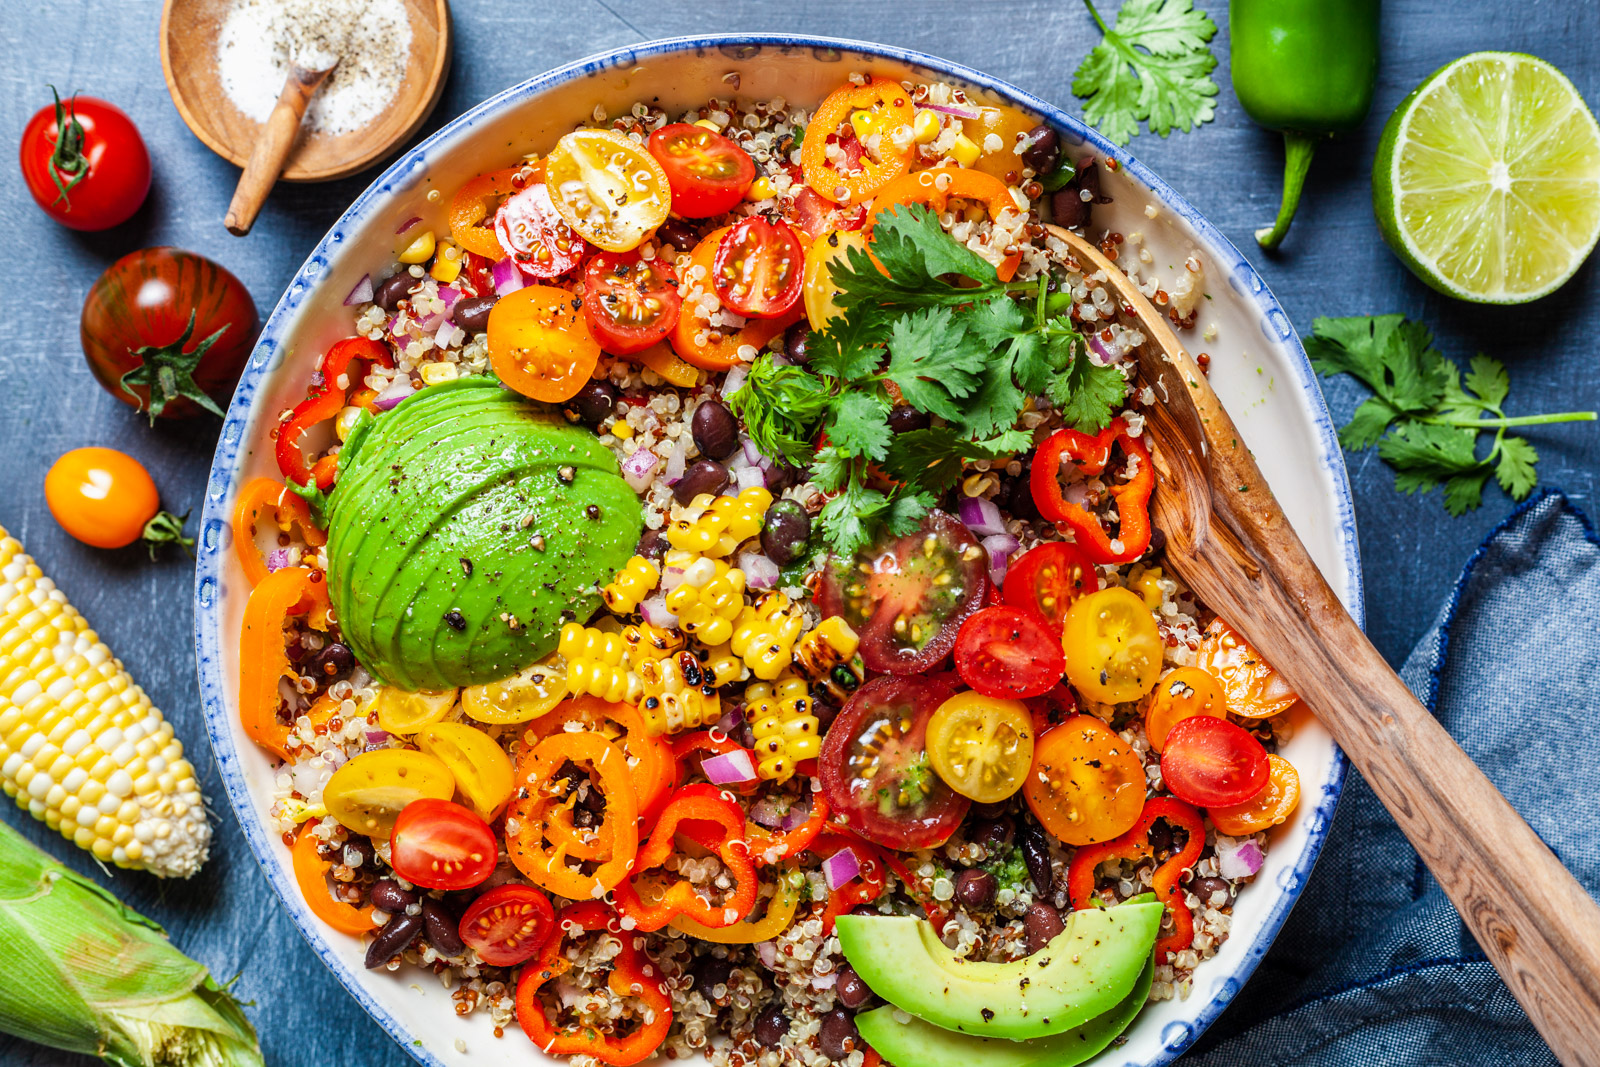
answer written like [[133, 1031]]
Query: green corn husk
[[87, 974]]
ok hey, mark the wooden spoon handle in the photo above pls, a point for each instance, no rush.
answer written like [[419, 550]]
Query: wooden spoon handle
[[271, 149]]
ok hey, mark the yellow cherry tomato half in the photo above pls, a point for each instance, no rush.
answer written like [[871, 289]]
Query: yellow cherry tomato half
[[819, 292], [368, 792], [1181, 694], [101, 496], [1255, 690], [1266, 809], [481, 767], [525, 695], [1086, 785], [607, 187], [981, 746], [1113, 646], [400, 712], [540, 344]]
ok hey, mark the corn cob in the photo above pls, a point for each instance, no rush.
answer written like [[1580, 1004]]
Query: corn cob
[[595, 663], [81, 746], [827, 657], [786, 731]]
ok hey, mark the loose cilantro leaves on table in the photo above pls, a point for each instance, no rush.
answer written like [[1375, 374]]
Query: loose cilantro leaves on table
[[1424, 416], [969, 355], [1154, 67]]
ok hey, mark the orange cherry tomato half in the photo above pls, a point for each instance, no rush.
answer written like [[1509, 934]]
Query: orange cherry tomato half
[[441, 845], [715, 348], [1003, 652], [532, 233], [1255, 690], [708, 173], [629, 303], [1086, 785], [1268, 808], [1213, 763], [540, 344], [759, 268], [508, 925], [101, 496], [1181, 694], [1046, 579]]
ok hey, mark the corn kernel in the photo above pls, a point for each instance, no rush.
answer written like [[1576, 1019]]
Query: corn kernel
[[708, 124], [925, 127], [344, 420], [964, 151], [420, 249], [760, 189], [435, 373], [446, 264], [865, 124], [621, 430]]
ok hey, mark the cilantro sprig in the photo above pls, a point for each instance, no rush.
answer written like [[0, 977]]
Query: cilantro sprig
[[1154, 67], [1424, 415], [966, 352]]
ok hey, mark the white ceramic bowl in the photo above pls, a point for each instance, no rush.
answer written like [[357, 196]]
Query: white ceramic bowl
[[1257, 366]]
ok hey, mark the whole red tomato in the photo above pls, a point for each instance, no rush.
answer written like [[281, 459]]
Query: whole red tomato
[[85, 163], [167, 332]]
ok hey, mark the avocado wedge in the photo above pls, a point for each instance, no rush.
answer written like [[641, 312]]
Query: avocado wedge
[[926, 1045], [1085, 971]]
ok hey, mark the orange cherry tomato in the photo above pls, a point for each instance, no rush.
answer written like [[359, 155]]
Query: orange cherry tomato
[[709, 347], [1268, 808], [1086, 784], [1181, 694], [540, 344], [888, 111], [1254, 689], [101, 496], [937, 187]]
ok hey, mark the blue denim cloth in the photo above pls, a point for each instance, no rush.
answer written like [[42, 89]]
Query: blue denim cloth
[[1374, 967]]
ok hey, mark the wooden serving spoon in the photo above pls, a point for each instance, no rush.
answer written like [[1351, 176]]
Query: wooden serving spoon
[[1229, 540], [272, 146]]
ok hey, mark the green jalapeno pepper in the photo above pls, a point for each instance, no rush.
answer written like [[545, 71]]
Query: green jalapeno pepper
[[1306, 68]]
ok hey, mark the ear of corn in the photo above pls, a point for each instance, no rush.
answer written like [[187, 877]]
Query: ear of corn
[[596, 663], [81, 746]]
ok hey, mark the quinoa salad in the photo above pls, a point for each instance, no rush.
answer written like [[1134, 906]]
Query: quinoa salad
[[711, 606]]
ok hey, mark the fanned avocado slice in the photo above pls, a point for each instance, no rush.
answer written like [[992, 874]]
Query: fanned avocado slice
[[926, 1045]]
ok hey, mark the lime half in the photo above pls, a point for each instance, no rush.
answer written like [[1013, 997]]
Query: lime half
[[1487, 181]]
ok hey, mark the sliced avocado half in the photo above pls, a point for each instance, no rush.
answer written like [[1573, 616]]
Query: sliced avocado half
[[926, 1045], [1084, 971]]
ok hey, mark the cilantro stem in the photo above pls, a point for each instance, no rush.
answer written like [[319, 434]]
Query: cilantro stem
[[1502, 423], [1098, 21]]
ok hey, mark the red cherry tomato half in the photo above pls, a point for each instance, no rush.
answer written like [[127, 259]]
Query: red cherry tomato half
[[907, 597], [1046, 579], [1213, 763], [508, 925], [85, 163], [875, 769], [708, 173], [759, 268], [1003, 652], [441, 845], [535, 236], [630, 303]]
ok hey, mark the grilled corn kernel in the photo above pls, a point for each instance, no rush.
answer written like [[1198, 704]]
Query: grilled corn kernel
[[677, 695], [345, 420], [708, 599], [723, 522], [785, 728], [925, 127], [635, 581], [646, 642], [596, 663], [420, 250], [446, 263], [437, 373], [765, 635], [827, 656], [621, 430], [965, 151], [708, 124], [1147, 583], [760, 189]]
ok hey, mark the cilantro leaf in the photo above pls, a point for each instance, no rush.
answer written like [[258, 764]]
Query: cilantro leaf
[[1088, 394], [995, 404], [849, 519], [831, 469], [1464, 492], [849, 347], [1420, 448], [934, 361], [1367, 424], [932, 458], [1515, 471], [1391, 356], [1153, 67], [859, 425], [916, 252], [1488, 378], [781, 408]]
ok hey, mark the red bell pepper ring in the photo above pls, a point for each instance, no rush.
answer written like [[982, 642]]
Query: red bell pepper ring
[[326, 399], [336, 362], [1135, 845], [766, 847], [690, 748], [1092, 453], [864, 888], [632, 975], [692, 805]]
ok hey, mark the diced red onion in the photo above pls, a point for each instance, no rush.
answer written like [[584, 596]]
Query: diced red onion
[[362, 293], [1238, 859], [753, 454], [1000, 547], [751, 477], [958, 112], [394, 392], [449, 294], [507, 277], [729, 768], [735, 379], [759, 571], [982, 516], [431, 323], [1102, 354], [639, 469], [449, 335], [840, 867], [731, 719], [769, 812], [797, 814], [654, 611], [677, 462], [277, 559], [406, 225]]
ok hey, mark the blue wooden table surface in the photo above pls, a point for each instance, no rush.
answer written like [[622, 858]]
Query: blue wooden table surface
[[1333, 264]]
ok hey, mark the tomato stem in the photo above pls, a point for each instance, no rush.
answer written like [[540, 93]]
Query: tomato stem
[[165, 528], [168, 373], [68, 155]]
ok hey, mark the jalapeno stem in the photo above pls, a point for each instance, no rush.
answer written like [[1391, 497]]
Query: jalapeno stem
[[1298, 149]]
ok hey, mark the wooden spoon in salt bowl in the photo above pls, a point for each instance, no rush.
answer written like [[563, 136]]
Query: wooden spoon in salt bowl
[[278, 135], [1229, 540]]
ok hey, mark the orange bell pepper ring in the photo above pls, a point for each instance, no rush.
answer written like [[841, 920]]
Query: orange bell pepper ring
[[288, 510], [473, 208], [310, 874], [1135, 845], [1092, 452], [263, 660], [937, 187], [700, 807], [889, 113], [710, 347], [539, 793]]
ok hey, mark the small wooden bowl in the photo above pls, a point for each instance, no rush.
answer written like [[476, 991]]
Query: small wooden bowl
[[189, 30]]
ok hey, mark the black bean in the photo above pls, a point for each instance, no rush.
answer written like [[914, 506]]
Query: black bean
[[785, 532], [1044, 149], [1036, 854], [995, 835], [975, 889], [780, 476], [825, 713], [394, 289], [771, 1025], [991, 811], [394, 938], [679, 234], [703, 476], [334, 659], [1018, 499], [1160, 837], [593, 800], [1068, 207], [796, 340], [903, 418], [715, 429], [851, 990], [364, 851], [471, 313], [1088, 180], [1158, 543], [838, 1036], [710, 972], [442, 928], [388, 896], [1207, 888], [1041, 923], [595, 402], [653, 545]]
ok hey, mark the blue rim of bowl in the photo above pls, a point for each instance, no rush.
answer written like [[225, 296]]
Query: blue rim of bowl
[[1178, 1035]]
